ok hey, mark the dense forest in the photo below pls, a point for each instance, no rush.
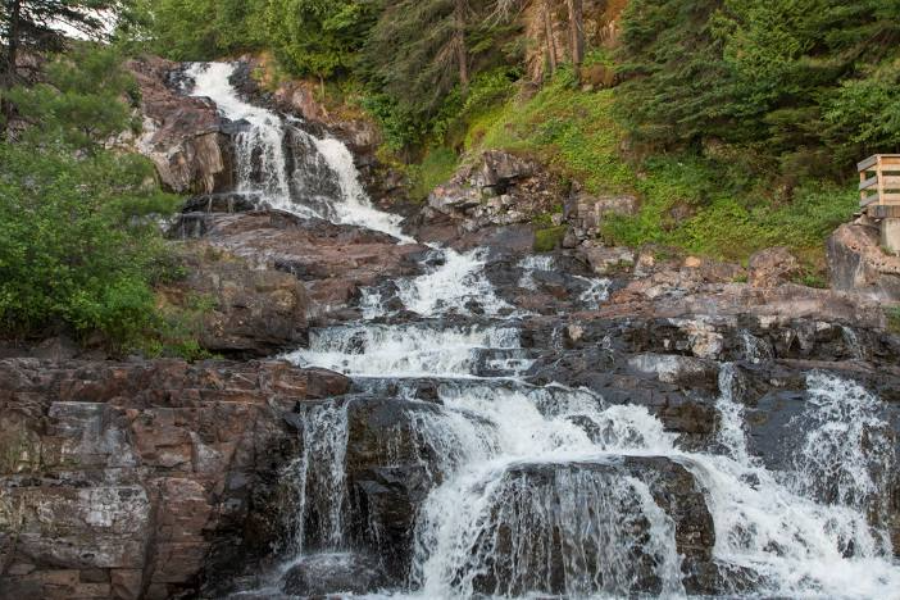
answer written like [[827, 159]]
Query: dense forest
[[737, 124]]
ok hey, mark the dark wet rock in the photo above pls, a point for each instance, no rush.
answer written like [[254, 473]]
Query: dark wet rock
[[532, 497], [222, 203], [390, 469], [144, 479], [325, 574]]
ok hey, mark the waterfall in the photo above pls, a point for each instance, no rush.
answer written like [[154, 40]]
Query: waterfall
[[300, 181], [520, 490]]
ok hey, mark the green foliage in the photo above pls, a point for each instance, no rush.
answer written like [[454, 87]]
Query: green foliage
[[436, 168], [708, 208], [547, 240], [80, 247], [318, 37], [72, 248], [893, 317], [793, 79], [80, 103], [571, 130], [202, 29], [38, 26]]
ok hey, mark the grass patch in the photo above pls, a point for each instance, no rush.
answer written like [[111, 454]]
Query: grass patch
[[436, 168], [716, 208], [893, 317], [548, 240], [568, 129]]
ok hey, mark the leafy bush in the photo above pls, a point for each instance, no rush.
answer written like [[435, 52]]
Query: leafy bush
[[893, 316], [74, 248], [80, 244]]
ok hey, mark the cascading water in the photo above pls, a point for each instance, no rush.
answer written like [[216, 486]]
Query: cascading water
[[318, 180], [549, 491]]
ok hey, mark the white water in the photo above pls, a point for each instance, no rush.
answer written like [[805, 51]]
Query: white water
[[261, 148], [404, 351], [532, 498], [453, 287]]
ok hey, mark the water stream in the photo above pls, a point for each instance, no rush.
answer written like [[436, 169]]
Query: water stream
[[551, 491]]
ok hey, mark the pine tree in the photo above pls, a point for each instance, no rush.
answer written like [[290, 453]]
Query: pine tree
[[38, 25]]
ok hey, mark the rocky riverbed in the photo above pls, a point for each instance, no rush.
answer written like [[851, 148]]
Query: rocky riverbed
[[430, 408]]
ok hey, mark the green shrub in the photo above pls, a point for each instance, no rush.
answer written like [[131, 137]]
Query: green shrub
[[438, 167], [548, 240], [75, 245], [893, 317]]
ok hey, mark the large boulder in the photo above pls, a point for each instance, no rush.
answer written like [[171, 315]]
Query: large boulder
[[497, 189], [857, 263], [185, 137], [141, 480], [333, 261], [543, 534], [773, 267], [335, 573], [245, 312]]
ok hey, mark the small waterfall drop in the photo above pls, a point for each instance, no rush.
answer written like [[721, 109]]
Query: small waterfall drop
[[300, 181]]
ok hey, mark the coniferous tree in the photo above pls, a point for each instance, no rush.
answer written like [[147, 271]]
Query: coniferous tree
[[40, 25]]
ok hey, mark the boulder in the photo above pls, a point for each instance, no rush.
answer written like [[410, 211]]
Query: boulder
[[338, 573], [585, 213], [246, 312], [539, 518], [143, 479], [608, 261], [497, 189], [857, 263], [332, 261], [773, 267], [185, 137]]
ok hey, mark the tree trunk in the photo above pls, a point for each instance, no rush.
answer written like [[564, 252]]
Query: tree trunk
[[10, 71], [548, 33], [12, 51], [462, 54], [576, 30]]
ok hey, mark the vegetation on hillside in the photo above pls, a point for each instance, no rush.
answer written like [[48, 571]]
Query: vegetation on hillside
[[80, 245], [736, 123]]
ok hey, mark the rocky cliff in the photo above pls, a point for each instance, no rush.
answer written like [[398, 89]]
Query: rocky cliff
[[141, 480]]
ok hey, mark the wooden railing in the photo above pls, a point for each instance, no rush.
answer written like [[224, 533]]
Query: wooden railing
[[879, 181]]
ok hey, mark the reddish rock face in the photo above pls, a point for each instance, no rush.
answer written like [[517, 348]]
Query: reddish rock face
[[126, 480], [183, 136], [772, 267], [333, 261], [253, 313]]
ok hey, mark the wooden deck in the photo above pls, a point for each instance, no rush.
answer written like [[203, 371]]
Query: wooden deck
[[879, 185]]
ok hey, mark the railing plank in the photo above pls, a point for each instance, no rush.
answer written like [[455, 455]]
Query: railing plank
[[868, 163], [870, 200], [892, 199], [891, 182], [868, 183], [890, 160]]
